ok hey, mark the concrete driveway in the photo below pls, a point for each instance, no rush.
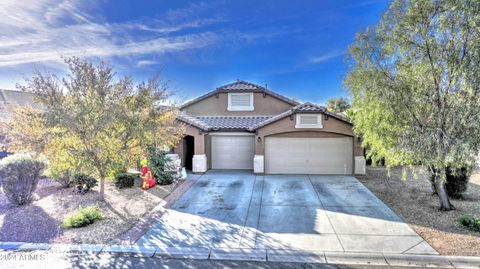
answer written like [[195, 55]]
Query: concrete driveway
[[232, 209]]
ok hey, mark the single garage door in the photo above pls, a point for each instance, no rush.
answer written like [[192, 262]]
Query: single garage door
[[232, 152], [307, 155]]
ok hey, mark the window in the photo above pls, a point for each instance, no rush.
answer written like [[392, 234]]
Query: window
[[240, 102], [309, 121]]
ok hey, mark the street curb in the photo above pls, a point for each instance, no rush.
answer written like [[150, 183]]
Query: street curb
[[250, 254]]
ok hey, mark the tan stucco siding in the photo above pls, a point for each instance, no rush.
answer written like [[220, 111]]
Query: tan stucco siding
[[208, 150], [199, 141], [179, 150], [286, 128], [213, 106]]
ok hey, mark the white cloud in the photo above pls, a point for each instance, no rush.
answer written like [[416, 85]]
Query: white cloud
[[158, 45], [325, 57], [45, 30], [142, 63]]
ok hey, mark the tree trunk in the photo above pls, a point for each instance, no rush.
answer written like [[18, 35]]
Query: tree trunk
[[102, 188], [440, 190]]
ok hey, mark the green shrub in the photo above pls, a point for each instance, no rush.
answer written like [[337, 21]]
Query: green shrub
[[471, 222], [63, 177], [19, 175], [125, 180], [82, 183], [165, 178], [158, 161], [82, 217], [456, 181]]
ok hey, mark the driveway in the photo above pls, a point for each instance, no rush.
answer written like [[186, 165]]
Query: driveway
[[232, 209]]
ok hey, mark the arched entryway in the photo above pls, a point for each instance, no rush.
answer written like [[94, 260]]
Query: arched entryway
[[188, 150]]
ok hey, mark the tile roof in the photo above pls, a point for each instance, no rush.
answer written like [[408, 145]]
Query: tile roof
[[302, 108], [212, 123], [309, 107], [251, 123], [236, 122], [241, 86], [192, 120]]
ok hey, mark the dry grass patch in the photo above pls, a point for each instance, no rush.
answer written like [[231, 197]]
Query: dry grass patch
[[413, 201]]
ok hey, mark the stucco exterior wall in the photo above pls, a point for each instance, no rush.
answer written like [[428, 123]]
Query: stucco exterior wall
[[199, 141], [286, 128], [213, 106], [208, 150]]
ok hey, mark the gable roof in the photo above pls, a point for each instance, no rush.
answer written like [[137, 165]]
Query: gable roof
[[241, 86], [251, 123], [302, 108]]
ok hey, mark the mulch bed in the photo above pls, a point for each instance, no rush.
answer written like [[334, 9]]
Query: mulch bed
[[40, 221], [411, 198]]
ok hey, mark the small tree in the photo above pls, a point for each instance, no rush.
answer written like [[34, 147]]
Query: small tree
[[338, 104], [415, 83], [95, 122]]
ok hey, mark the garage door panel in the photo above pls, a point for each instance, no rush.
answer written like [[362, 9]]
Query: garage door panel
[[284, 155], [232, 152]]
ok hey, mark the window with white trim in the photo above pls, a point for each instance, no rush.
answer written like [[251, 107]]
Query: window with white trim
[[308, 121], [240, 102]]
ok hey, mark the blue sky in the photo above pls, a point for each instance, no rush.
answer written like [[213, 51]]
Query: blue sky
[[297, 48]]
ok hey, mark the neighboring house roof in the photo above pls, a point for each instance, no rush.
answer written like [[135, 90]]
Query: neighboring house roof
[[241, 86], [10, 99]]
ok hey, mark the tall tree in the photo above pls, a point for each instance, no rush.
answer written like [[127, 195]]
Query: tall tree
[[93, 121], [415, 81], [338, 104]]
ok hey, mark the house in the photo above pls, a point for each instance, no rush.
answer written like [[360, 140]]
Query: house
[[242, 125]]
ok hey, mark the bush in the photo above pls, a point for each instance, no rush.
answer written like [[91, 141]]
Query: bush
[[158, 162], [82, 217], [456, 181], [125, 180], [82, 183], [471, 222], [165, 178], [19, 175], [63, 177]]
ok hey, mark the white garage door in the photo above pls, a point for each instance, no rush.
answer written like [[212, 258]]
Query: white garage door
[[288, 155], [232, 152]]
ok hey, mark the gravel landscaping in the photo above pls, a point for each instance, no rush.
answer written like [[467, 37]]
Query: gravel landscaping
[[40, 222], [413, 201]]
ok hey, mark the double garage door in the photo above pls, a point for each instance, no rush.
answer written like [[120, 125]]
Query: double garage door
[[308, 155], [285, 155]]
